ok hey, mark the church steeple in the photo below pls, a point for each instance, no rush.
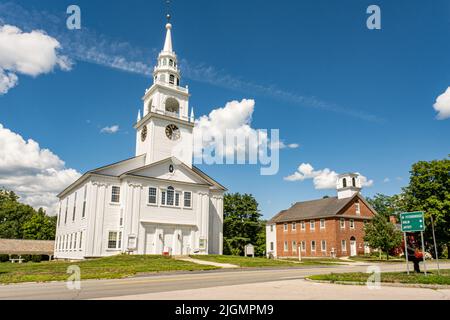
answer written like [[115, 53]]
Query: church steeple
[[168, 42]]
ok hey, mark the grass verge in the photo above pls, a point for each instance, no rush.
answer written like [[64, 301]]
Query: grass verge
[[389, 277], [104, 268], [248, 262]]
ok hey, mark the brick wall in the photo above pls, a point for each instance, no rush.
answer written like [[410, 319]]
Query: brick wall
[[332, 234]]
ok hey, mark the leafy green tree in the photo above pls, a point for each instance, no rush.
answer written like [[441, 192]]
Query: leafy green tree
[[21, 221], [39, 227], [382, 234], [241, 222], [387, 206], [429, 191]]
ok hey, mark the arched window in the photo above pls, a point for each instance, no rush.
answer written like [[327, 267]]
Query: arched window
[[354, 182], [170, 196], [172, 105], [172, 79], [178, 82], [344, 183], [171, 62]]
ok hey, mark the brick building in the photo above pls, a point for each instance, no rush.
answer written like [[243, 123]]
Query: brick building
[[323, 228]]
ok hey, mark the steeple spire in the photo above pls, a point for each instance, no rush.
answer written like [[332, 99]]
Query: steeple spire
[[168, 42]]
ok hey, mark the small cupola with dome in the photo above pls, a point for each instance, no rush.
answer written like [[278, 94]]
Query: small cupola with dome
[[348, 185]]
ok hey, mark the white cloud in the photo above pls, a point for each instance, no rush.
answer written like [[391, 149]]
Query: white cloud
[[442, 105], [37, 175], [322, 179], [110, 130], [387, 180], [234, 119], [30, 53]]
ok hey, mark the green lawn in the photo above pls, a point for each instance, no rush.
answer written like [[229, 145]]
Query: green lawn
[[104, 268], [390, 277], [248, 262], [376, 258]]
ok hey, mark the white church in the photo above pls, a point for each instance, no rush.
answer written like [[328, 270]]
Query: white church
[[154, 203]]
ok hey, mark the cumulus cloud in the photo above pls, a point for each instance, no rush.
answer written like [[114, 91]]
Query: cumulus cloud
[[442, 105], [37, 175], [322, 179], [235, 119], [110, 130], [29, 53]]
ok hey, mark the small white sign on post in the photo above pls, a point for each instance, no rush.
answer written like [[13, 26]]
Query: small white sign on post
[[249, 250]]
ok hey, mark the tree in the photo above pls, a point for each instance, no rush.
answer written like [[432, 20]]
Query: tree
[[39, 227], [21, 221], [429, 191], [382, 234], [387, 206], [241, 223]]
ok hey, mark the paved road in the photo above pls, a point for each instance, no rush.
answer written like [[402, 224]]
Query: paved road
[[139, 287]]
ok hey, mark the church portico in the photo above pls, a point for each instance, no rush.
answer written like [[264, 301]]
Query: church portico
[[155, 202]]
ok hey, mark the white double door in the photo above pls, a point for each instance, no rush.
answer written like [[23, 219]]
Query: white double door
[[173, 239]]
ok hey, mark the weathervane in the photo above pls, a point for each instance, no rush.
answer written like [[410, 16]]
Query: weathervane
[[168, 11]]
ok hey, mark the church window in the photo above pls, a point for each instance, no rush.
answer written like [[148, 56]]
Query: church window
[[112, 240], [67, 207], [115, 194], [81, 239], [354, 182], [170, 196], [177, 199], [344, 183], [163, 198], [172, 105], [171, 62], [172, 79], [74, 207], [188, 199], [178, 82], [152, 195], [83, 213], [164, 62]]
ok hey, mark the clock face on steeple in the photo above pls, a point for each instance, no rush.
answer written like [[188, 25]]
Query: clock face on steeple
[[172, 132]]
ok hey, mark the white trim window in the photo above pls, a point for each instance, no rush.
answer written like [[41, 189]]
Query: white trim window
[[170, 196], [152, 195], [286, 246], [312, 225], [358, 208], [177, 199], [163, 197], [74, 207], [313, 245], [352, 224], [294, 246], [75, 240], [81, 240], [322, 223], [303, 225], [294, 226], [342, 223], [304, 246], [115, 194], [83, 213], [344, 245], [114, 240], [285, 227], [323, 246], [187, 200]]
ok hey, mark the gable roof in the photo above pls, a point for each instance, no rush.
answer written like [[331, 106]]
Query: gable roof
[[102, 171], [22, 247], [322, 208], [194, 170]]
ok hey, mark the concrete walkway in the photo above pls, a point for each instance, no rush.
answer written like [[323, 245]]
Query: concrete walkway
[[207, 263]]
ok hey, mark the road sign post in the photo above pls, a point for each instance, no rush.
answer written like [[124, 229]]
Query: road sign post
[[413, 222], [435, 246], [406, 253]]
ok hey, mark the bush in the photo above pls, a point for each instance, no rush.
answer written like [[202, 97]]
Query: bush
[[4, 258]]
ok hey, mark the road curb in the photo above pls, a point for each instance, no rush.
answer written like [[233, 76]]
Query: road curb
[[384, 284]]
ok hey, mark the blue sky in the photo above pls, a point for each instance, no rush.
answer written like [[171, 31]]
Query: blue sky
[[374, 90]]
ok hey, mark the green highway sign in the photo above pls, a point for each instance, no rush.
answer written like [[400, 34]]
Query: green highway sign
[[412, 222]]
